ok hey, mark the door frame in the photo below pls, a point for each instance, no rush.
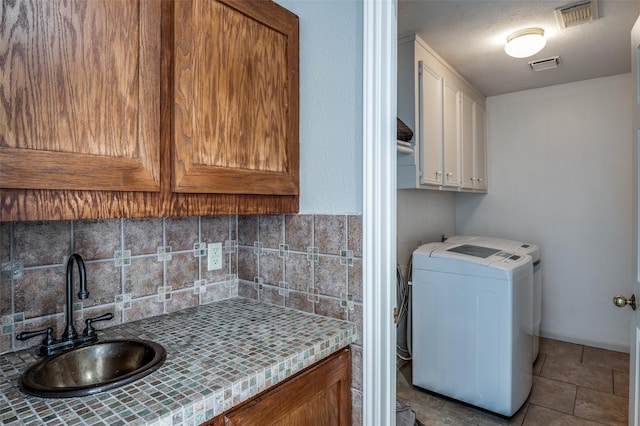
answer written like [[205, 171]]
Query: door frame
[[379, 100], [634, 344]]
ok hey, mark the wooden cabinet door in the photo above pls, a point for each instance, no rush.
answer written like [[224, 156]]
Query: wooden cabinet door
[[80, 110], [80, 95], [318, 396], [235, 110]]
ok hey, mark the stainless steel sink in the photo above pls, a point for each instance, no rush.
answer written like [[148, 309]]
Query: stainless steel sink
[[91, 369]]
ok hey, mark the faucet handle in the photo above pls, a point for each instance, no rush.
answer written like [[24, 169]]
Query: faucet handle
[[48, 340], [89, 330]]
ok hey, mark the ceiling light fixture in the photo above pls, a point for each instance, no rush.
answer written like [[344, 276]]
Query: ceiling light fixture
[[525, 43]]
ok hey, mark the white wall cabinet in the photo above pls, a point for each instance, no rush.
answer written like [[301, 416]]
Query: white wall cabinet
[[473, 145], [447, 117]]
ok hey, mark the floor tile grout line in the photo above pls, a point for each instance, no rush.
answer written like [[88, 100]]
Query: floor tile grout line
[[560, 381]]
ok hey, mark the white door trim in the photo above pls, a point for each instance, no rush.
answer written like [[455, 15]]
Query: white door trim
[[634, 345], [379, 210]]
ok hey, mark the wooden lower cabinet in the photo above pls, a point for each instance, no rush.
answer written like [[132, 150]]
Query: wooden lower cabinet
[[320, 395]]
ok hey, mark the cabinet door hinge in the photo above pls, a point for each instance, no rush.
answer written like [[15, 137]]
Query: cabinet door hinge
[[395, 314]]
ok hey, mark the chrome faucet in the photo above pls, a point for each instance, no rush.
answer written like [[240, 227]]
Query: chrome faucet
[[69, 338], [70, 331]]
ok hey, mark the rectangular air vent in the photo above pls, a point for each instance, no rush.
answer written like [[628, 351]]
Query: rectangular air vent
[[577, 13], [545, 64]]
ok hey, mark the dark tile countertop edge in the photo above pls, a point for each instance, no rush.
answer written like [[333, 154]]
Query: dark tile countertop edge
[[218, 355]]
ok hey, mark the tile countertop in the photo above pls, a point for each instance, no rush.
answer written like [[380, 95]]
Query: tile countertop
[[218, 355]]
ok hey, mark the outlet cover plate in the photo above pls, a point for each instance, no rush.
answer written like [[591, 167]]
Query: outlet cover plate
[[214, 256]]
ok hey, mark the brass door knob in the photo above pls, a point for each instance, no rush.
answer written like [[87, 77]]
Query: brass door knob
[[621, 301]]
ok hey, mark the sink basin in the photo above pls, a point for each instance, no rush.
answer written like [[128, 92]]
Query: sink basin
[[91, 369]]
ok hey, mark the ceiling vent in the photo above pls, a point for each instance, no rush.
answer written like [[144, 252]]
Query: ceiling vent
[[577, 13], [545, 64]]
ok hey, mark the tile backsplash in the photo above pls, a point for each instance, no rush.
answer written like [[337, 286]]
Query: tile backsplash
[[140, 268], [310, 263]]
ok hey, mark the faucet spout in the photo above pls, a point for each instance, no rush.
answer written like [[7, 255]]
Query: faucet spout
[[70, 332], [69, 339]]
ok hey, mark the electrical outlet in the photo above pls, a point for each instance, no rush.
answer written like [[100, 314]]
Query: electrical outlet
[[214, 256]]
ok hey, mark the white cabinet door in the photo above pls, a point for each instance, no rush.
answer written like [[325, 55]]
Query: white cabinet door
[[430, 127], [472, 145], [451, 135], [479, 149], [466, 141]]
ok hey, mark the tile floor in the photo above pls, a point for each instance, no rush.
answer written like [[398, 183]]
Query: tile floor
[[572, 385]]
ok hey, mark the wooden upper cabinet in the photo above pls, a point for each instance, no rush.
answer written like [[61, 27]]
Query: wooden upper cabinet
[[80, 91], [235, 110], [147, 108]]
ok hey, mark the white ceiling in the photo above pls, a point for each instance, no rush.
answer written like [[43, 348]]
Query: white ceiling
[[470, 35]]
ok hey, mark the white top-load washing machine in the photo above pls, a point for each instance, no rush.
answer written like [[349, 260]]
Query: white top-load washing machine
[[471, 323], [517, 247]]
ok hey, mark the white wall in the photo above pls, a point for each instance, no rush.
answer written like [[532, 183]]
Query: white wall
[[560, 174], [330, 105], [423, 216]]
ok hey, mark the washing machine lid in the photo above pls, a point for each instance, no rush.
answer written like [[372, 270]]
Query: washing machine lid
[[470, 259], [517, 247]]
